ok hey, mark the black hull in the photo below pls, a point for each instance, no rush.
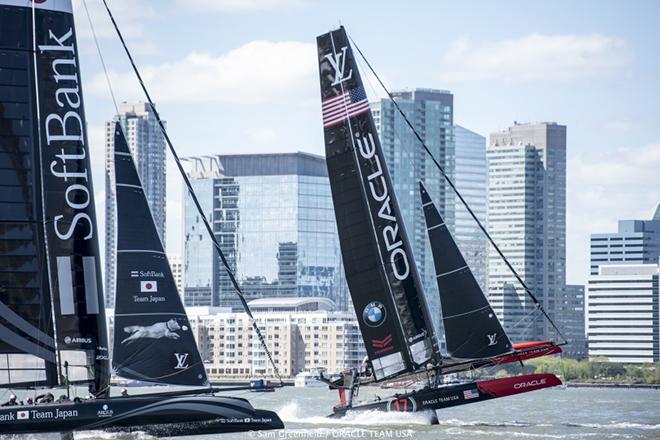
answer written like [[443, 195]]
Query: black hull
[[432, 399], [157, 416]]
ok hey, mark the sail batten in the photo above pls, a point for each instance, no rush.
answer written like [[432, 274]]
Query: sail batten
[[380, 271], [472, 330], [153, 338]]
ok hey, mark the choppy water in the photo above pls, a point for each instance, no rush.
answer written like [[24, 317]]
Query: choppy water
[[574, 413]]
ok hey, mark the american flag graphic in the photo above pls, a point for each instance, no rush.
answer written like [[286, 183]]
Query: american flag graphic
[[470, 394], [339, 108]]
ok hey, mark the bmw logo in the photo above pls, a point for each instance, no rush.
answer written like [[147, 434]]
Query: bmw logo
[[374, 314]]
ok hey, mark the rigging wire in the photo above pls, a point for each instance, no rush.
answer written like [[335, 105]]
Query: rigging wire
[[191, 192], [449, 181]]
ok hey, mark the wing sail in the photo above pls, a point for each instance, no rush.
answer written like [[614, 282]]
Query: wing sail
[[380, 269]]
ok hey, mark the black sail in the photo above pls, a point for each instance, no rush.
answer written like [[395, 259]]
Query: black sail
[[472, 330], [380, 269], [48, 238], [153, 340]]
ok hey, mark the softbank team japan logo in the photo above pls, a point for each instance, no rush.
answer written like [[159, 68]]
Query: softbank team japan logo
[[148, 286], [374, 314], [22, 415]]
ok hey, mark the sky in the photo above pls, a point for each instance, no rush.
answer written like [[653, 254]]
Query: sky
[[240, 76]]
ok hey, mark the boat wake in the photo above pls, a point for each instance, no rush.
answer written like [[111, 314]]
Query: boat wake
[[82, 435], [476, 423], [104, 435], [616, 425], [292, 413]]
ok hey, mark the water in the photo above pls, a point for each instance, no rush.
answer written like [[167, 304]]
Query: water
[[573, 413]]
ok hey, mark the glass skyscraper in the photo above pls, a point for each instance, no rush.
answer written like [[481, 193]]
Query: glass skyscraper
[[432, 113], [471, 179], [274, 219]]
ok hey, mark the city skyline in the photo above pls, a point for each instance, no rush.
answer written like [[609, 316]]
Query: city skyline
[[566, 66]]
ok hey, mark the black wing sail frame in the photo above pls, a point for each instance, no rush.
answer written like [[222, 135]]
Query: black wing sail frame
[[50, 279], [472, 330], [153, 340], [380, 270]]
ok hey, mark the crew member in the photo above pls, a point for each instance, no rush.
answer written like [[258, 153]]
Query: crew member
[[124, 392], [11, 401]]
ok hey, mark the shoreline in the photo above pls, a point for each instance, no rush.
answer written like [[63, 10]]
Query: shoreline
[[653, 386]]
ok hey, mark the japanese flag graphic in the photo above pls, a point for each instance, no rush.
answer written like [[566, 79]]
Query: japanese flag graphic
[[148, 286], [23, 415]]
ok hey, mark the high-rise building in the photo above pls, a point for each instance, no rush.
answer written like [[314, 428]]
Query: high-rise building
[[274, 219], [527, 219], [635, 242], [177, 271], [432, 114], [471, 179], [622, 313], [570, 320], [147, 144]]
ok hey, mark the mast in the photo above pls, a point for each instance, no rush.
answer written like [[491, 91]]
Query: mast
[[50, 278], [153, 340], [68, 199], [472, 330], [380, 269]]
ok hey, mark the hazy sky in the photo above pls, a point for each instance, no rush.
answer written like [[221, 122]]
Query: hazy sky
[[236, 76]]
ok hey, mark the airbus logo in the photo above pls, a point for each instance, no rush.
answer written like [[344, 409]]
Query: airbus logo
[[77, 340], [105, 411], [531, 383]]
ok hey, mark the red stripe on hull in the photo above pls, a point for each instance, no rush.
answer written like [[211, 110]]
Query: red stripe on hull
[[529, 350], [518, 384]]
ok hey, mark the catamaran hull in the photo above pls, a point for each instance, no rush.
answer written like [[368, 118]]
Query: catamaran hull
[[430, 399], [161, 417]]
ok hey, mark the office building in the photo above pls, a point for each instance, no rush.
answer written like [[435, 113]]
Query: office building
[[177, 271], [146, 142], [274, 219], [527, 219], [570, 320], [471, 179], [302, 334], [635, 242], [622, 313], [432, 113]]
